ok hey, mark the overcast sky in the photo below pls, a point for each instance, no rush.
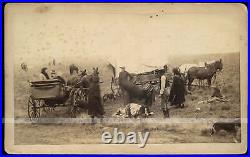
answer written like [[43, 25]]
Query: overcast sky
[[125, 32]]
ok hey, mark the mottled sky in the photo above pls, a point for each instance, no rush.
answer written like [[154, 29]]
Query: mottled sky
[[131, 34]]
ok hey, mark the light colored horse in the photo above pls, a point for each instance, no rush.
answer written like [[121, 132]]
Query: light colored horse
[[185, 67]]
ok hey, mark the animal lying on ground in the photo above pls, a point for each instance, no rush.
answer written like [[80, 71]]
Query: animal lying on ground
[[132, 110]]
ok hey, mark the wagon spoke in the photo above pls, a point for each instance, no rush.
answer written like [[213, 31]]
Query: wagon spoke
[[33, 109]]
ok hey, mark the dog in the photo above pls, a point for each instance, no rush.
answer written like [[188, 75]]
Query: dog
[[229, 127]]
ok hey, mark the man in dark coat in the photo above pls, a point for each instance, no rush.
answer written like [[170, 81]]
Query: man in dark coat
[[178, 90], [95, 107], [124, 81]]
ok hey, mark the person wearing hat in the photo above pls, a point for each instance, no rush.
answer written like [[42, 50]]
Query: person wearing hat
[[44, 74], [124, 78], [164, 91], [178, 90]]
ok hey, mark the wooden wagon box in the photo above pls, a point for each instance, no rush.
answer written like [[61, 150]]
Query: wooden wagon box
[[47, 89], [152, 78]]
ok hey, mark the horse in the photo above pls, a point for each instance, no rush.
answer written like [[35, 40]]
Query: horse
[[203, 73], [75, 79], [136, 92], [87, 95]]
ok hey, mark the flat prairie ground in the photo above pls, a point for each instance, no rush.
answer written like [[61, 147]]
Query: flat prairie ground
[[228, 80]]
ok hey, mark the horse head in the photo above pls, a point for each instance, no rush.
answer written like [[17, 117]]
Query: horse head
[[83, 72], [218, 65], [95, 75]]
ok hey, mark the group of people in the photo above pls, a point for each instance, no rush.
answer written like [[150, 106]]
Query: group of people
[[170, 93], [44, 75]]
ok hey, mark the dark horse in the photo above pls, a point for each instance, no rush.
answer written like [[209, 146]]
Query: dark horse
[[204, 73], [86, 93], [136, 92]]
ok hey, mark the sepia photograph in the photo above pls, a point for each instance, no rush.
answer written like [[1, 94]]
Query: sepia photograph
[[125, 78]]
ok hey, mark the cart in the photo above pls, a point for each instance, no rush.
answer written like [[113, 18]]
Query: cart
[[48, 94]]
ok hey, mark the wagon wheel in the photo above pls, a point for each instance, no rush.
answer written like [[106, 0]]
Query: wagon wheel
[[48, 109], [34, 106]]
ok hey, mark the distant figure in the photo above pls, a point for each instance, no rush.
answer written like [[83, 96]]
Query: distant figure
[[178, 90], [124, 80], [73, 68], [24, 67], [164, 92], [54, 62], [44, 74]]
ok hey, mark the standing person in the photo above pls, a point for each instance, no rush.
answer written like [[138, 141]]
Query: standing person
[[95, 106], [44, 74], [178, 90], [124, 78], [164, 92]]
